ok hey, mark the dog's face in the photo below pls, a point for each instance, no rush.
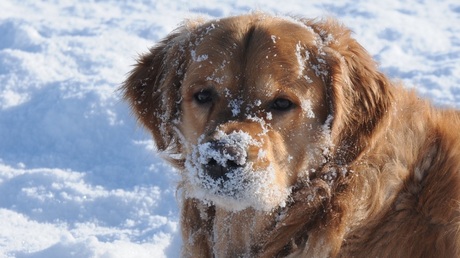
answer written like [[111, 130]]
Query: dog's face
[[252, 111], [247, 102]]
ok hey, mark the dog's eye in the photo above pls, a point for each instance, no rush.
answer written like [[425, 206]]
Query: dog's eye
[[203, 96], [282, 104]]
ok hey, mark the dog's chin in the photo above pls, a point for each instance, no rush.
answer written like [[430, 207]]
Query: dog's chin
[[240, 189]]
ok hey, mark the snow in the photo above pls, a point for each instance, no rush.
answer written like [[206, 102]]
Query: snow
[[301, 59], [305, 104], [79, 178]]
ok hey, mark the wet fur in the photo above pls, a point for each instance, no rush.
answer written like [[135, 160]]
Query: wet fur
[[389, 185]]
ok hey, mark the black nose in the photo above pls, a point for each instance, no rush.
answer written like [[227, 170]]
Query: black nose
[[229, 158], [216, 170]]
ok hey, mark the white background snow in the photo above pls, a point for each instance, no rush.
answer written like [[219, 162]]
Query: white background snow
[[79, 178]]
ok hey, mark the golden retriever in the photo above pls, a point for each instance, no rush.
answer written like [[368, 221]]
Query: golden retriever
[[290, 142]]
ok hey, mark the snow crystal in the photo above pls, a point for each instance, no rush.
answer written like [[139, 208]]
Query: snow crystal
[[307, 108], [265, 126], [300, 59], [319, 70], [199, 58], [210, 28], [327, 135], [261, 154], [235, 105], [327, 38], [224, 64], [227, 92], [308, 79], [215, 79], [269, 116], [302, 56]]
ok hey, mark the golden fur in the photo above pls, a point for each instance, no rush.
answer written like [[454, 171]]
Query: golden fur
[[359, 167]]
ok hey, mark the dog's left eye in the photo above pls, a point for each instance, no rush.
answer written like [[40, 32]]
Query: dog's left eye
[[282, 104], [203, 96]]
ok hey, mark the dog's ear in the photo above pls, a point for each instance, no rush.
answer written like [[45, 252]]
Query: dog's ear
[[152, 89], [359, 95]]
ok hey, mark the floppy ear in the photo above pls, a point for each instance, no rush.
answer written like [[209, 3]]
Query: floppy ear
[[358, 93], [152, 89]]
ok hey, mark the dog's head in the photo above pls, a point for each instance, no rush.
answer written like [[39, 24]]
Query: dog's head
[[249, 106]]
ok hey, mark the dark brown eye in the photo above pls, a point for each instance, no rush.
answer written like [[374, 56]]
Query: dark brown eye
[[282, 104], [203, 96]]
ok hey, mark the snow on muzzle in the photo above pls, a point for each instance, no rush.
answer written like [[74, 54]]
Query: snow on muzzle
[[223, 171]]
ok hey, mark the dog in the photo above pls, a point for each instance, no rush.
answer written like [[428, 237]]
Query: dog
[[291, 143]]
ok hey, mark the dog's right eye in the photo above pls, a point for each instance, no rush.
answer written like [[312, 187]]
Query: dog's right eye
[[203, 96], [282, 104]]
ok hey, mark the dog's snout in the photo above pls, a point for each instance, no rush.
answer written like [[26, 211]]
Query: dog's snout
[[227, 158]]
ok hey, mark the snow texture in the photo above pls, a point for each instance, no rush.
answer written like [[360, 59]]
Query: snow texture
[[79, 178]]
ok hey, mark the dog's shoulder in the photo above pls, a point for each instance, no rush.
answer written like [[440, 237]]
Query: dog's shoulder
[[425, 216], [429, 205], [423, 212]]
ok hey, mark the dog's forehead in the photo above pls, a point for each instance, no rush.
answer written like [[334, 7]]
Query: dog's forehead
[[245, 38], [241, 51]]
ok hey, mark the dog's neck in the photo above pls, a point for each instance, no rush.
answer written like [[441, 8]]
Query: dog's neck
[[249, 232], [240, 233], [279, 233]]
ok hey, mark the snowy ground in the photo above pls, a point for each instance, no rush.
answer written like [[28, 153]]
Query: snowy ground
[[78, 178]]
